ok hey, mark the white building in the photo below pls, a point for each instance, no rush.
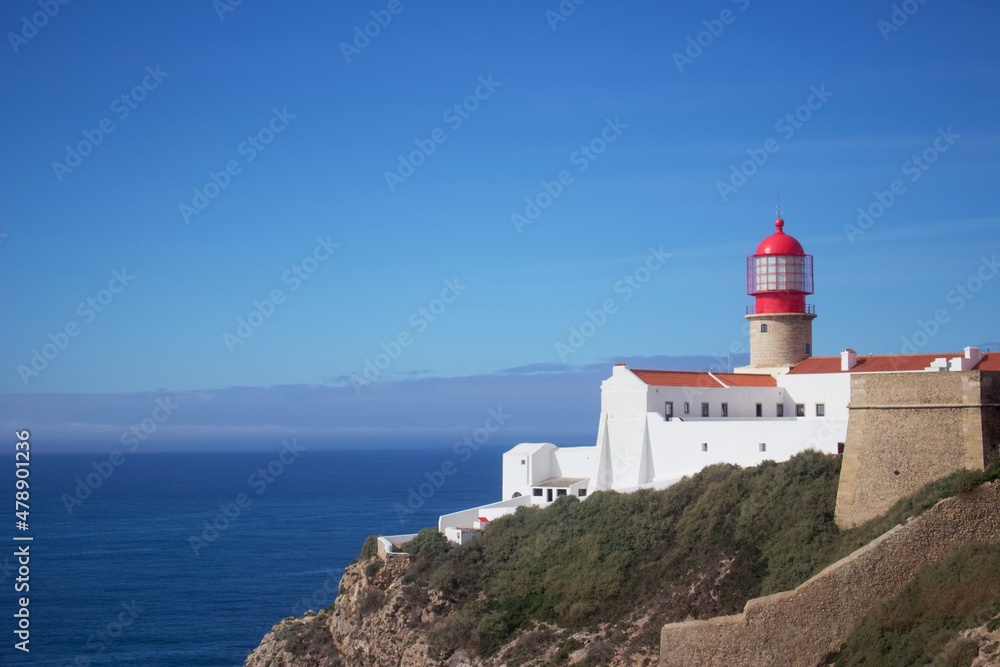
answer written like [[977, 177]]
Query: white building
[[659, 426]]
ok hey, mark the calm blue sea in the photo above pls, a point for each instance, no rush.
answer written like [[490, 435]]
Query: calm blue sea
[[117, 582]]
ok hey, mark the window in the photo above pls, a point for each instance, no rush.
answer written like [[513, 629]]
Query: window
[[687, 408], [779, 410], [800, 409], [763, 446], [582, 493], [840, 448], [536, 493], [725, 409], [548, 495], [760, 409], [560, 493], [524, 462], [782, 272], [668, 410], [704, 409], [821, 409], [809, 348], [704, 446], [763, 328]]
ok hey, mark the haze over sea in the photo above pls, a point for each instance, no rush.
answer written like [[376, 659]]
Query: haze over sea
[[124, 555]]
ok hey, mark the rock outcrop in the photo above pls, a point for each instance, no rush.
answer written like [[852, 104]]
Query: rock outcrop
[[380, 620]]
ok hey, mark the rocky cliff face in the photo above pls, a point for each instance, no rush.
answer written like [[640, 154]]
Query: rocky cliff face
[[379, 620]]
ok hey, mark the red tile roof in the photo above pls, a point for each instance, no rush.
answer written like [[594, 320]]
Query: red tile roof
[[703, 380], [989, 362], [885, 363]]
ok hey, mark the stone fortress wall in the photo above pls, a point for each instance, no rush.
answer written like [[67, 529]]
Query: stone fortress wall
[[802, 627], [906, 430]]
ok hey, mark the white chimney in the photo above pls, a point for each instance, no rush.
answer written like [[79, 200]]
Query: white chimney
[[848, 359], [968, 361]]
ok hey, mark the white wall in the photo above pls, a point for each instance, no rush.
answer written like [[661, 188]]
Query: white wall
[[574, 462], [466, 518], [676, 446], [524, 465], [742, 401], [831, 389]]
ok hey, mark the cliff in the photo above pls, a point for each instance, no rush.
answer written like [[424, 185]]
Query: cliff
[[380, 620], [593, 583]]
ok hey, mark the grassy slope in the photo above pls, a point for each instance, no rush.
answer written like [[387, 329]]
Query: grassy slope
[[700, 548], [922, 623]]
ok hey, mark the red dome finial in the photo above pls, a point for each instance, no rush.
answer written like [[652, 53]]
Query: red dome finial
[[778, 224]]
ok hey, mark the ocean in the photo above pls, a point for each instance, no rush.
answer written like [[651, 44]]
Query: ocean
[[189, 559]]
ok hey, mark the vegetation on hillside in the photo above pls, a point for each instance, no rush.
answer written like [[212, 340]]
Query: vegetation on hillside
[[922, 624], [700, 548]]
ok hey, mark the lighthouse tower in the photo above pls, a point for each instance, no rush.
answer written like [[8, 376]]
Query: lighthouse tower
[[779, 276]]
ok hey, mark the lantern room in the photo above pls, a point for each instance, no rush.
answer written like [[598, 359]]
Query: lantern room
[[780, 274]]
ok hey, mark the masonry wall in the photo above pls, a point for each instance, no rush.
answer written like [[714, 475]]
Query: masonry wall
[[906, 430], [784, 344], [801, 627]]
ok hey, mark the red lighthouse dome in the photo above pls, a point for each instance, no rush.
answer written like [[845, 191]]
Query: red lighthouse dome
[[780, 274], [780, 243]]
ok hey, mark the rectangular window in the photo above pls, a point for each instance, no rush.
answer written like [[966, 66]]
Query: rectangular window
[[548, 495], [840, 448], [725, 409], [760, 409], [687, 408], [704, 409], [560, 493], [763, 446], [582, 492], [820, 409], [779, 409], [537, 493], [800, 409], [524, 462], [704, 446], [668, 410]]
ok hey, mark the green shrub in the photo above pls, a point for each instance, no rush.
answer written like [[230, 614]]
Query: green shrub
[[370, 548], [700, 548], [923, 622]]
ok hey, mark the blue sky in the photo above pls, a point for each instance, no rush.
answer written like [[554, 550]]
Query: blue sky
[[309, 134]]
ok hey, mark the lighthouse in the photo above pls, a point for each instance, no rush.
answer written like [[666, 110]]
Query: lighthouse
[[779, 276]]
